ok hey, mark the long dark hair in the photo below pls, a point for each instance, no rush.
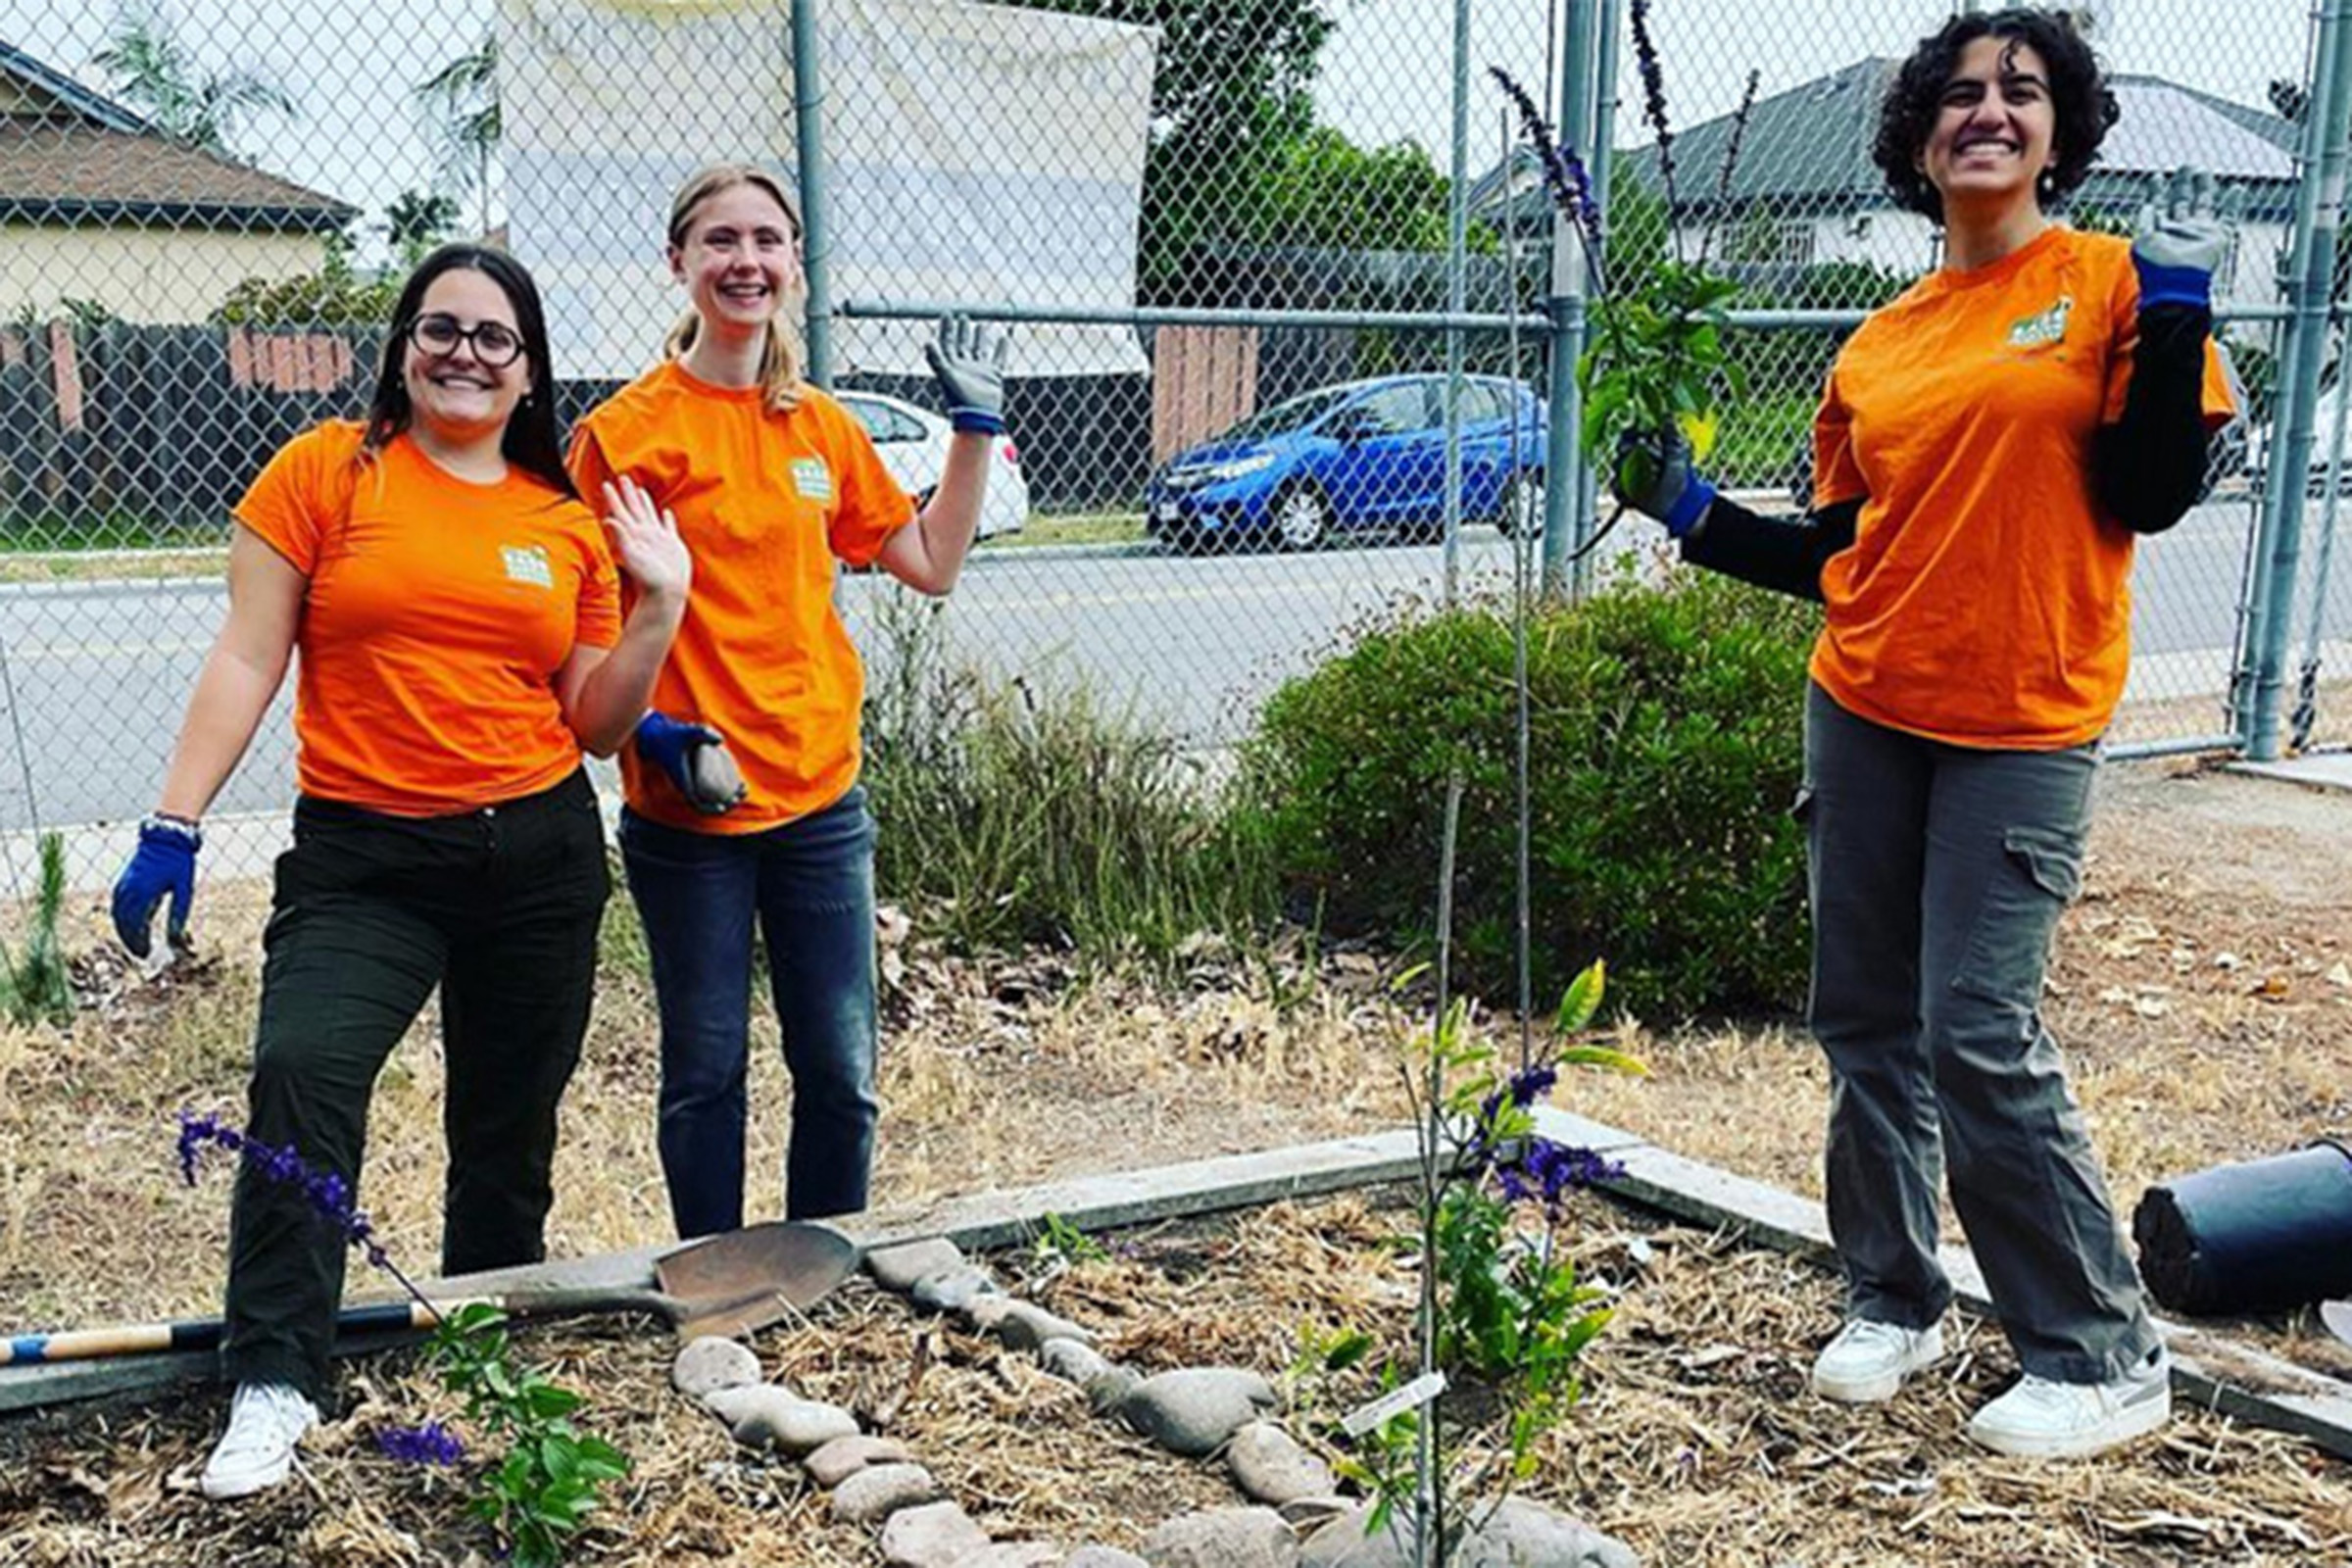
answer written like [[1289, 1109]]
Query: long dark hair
[[530, 442], [2080, 102]]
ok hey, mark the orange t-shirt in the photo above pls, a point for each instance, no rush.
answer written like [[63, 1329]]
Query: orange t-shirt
[[1984, 601], [766, 502], [437, 616]]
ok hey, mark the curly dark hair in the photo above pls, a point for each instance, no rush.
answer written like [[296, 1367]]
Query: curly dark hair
[[2080, 98]]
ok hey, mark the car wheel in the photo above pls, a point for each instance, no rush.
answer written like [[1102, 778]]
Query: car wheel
[[1522, 507], [1302, 518]]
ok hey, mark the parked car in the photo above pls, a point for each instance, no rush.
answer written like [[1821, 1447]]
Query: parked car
[[1360, 456], [914, 444]]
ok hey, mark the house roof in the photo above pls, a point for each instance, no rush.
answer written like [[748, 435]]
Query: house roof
[[69, 155], [1809, 147]]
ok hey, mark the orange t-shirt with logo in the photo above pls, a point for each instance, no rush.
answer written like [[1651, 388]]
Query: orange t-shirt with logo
[[1984, 601], [767, 501], [437, 614]]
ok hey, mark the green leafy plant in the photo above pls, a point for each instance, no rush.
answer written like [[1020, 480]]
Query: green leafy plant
[[544, 1488], [1063, 1243], [539, 1493], [36, 986], [1666, 744], [1505, 1309], [1656, 359]]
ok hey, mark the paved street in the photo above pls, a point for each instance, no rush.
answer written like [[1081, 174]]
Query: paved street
[[93, 678]]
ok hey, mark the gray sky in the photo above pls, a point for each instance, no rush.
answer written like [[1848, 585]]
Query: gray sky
[[1386, 74]]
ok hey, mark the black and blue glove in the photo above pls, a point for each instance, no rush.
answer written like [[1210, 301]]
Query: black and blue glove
[[968, 362], [1653, 475], [164, 862], [695, 759], [2180, 244]]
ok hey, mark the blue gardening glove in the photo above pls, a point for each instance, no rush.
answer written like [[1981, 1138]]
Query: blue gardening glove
[[1652, 475], [2180, 244], [164, 862], [969, 361], [696, 759]]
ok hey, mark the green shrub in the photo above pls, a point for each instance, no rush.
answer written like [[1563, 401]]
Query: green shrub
[[1017, 812], [1665, 749], [36, 988]]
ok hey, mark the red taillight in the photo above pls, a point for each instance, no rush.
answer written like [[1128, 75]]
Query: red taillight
[[1012, 454]]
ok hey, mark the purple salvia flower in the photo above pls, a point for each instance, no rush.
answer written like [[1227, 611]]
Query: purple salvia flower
[[1653, 96], [429, 1443], [326, 1192], [1565, 176], [1731, 157], [1548, 1171], [1532, 1084]]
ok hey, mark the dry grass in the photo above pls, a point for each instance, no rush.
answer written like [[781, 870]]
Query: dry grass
[[2202, 990]]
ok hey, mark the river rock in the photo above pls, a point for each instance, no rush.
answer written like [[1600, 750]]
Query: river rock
[[1016, 1554], [1528, 1535], [1108, 1390], [932, 1535], [712, 1364], [952, 1292], [1071, 1361], [874, 1494], [1024, 1325], [765, 1416], [1271, 1466], [1193, 1411], [843, 1457], [903, 1267], [1223, 1537], [1104, 1557]]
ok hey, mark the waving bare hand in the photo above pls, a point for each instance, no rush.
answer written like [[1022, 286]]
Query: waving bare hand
[[646, 542]]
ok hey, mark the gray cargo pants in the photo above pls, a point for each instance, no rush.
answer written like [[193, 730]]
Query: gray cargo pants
[[1937, 875]]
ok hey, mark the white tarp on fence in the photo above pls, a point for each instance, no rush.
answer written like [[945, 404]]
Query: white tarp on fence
[[940, 117]]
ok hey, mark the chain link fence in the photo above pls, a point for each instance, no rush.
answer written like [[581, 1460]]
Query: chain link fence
[[1278, 274]]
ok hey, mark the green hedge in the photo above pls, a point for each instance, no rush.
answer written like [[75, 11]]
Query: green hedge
[[1666, 745]]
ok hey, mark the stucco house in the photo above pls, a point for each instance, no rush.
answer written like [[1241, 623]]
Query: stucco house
[[1805, 192], [99, 208]]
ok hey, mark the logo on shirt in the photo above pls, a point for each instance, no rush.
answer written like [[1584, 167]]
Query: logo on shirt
[[2043, 327], [813, 479], [528, 563]]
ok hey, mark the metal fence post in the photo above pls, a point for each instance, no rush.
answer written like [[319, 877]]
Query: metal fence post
[[2320, 206], [1457, 269], [808, 136], [1564, 473]]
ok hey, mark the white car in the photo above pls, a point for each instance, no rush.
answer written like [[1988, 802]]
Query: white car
[[2328, 413], [913, 443]]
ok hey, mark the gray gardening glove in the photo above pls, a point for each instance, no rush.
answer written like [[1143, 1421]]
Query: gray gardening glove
[[969, 361], [2180, 244]]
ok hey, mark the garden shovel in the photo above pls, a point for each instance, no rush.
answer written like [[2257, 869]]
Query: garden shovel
[[727, 1284], [2337, 1315]]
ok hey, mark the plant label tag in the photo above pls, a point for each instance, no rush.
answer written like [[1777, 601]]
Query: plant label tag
[[1364, 1417]]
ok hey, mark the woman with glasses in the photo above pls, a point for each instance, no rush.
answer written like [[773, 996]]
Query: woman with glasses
[[459, 622]]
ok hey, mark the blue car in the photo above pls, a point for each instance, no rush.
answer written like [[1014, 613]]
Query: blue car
[[1362, 456]]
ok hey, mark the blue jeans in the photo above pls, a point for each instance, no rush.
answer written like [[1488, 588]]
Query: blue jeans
[[810, 883]]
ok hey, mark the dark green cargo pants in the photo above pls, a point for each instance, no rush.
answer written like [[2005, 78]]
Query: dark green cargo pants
[[500, 908], [1938, 873]]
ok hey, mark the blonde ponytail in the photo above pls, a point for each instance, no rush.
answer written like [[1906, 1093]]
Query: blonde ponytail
[[782, 360]]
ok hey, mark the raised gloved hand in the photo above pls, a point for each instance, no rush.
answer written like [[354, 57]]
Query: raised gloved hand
[[2180, 243], [969, 361], [696, 759], [164, 862], [1652, 475]]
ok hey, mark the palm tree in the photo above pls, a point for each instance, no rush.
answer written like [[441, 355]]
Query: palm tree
[[459, 101], [416, 221], [152, 71]]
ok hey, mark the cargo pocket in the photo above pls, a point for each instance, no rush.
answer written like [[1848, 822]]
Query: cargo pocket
[[2039, 874]]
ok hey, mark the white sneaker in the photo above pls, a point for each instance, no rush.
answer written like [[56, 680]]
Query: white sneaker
[[266, 1420], [2045, 1420], [1868, 1361]]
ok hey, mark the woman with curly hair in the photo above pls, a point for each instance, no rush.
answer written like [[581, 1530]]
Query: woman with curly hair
[[1988, 449]]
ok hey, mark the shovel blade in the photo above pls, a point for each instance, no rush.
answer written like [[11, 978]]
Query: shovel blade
[[742, 1280], [2337, 1315]]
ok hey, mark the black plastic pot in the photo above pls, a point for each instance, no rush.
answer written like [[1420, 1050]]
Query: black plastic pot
[[2264, 1236]]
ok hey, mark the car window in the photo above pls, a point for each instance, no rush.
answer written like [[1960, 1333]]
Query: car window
[[1296, 414], [1394, 409], [882, 421], [1480, 402]]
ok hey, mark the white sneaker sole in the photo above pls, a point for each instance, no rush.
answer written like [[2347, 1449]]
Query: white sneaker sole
[[2130, 1422], [243, 1484], [1884, 1386]]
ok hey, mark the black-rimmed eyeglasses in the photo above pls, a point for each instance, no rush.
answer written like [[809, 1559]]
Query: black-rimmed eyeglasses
[[495, 344]]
